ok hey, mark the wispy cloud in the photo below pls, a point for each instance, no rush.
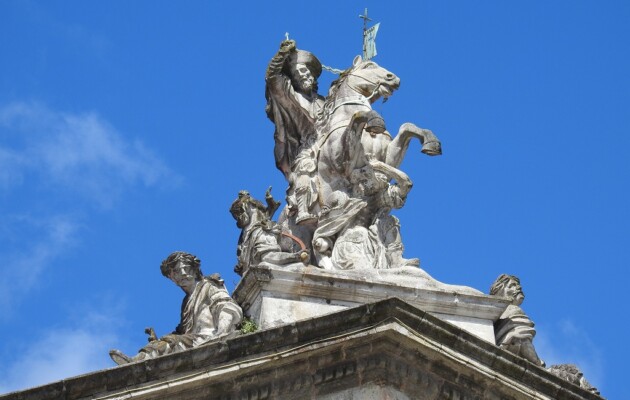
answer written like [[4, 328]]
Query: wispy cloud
[[50, 237], [566, 342], [64, 352], [49, 161], [77, 153]]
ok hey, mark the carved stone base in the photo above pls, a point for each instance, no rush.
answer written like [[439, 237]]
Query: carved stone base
[[274, 296]]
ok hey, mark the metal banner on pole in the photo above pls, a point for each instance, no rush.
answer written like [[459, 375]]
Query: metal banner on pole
[[369, 39]]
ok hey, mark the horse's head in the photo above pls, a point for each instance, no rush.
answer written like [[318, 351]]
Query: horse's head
[[371, 80]]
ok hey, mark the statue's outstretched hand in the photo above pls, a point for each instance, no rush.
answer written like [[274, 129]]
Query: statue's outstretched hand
[[287, 46]]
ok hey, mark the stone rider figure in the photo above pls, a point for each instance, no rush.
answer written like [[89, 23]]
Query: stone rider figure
[[293, 105]]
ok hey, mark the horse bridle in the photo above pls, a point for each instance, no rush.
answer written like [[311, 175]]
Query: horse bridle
[[353, 100], [377, 85]]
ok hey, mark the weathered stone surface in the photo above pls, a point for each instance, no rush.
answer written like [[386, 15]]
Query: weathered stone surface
[[572, 373], [208, 311], [340, 163], [514, 330], [277, 296], [371, 391], [259, 241], [388, 347]]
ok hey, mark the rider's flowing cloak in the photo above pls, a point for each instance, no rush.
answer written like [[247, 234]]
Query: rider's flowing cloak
[[287, 142], [291, 114]]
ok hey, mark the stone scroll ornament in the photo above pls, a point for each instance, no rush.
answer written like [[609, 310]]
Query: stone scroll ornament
[[208, 311], [340, 162], [514, 331]]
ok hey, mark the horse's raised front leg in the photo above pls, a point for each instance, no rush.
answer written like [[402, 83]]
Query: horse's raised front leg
[[351, 155], [397, 149]]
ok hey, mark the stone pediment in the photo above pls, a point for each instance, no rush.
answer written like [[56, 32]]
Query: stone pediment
[[388, 349]]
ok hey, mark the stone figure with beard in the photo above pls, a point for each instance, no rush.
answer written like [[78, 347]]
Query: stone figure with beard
[[293, 105], [514, 331], [259, 240]]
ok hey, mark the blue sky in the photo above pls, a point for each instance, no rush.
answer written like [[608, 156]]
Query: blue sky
[[127, 129]]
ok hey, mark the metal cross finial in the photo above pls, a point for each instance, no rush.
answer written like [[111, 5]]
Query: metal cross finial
[[365, 19]]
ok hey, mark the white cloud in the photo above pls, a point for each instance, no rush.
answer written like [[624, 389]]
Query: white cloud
[[49, 237], [77, 153], [65, 352], [566, 342], [50, 160]]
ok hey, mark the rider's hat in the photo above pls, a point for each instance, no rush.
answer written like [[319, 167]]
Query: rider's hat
[[308, 59]]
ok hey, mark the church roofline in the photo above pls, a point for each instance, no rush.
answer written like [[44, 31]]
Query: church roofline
[[396, 331]]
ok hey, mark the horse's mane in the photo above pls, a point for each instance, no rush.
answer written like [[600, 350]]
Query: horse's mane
[[324, 115], [334, 86]]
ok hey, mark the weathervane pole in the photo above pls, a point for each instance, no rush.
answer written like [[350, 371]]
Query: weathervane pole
[[365, 21]]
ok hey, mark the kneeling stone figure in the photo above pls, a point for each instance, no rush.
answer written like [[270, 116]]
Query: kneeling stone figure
[[208, 311]]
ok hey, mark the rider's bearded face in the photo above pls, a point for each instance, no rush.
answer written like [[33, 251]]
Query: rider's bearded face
[[303, 77]]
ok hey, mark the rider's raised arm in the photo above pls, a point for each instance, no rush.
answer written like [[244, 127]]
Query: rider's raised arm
[[277, 62]]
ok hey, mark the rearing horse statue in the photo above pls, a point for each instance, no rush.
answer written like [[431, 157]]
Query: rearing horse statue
[[349, 130]]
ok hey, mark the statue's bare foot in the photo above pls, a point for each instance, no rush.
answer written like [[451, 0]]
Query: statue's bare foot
[[398, 261], [410, 262], [119, 358]]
